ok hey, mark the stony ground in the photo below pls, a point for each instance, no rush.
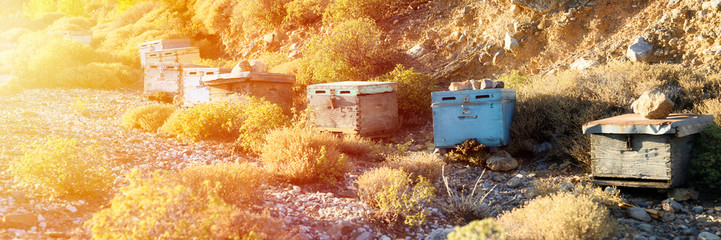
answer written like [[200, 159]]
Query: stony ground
[[306, 212]]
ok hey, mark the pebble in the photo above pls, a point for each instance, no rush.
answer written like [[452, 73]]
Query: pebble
[[708, 236], [645, 227], [697, 209], [638, 213], [71, 208]]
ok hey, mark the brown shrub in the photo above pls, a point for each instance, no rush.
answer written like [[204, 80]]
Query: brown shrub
[[559, 216], [239, 183], [395, 194], [428, 165], [148, 117], [303, 155]]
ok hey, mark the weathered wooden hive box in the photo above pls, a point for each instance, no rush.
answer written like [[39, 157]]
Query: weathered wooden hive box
[[632, 151], [186, 55], [162, 44], [483, 114], [273, 87], [368, 109], [164, 77], [194, 91]]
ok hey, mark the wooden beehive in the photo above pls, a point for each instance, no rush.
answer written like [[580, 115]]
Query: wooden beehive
[[194, 91], [273, 87], [368, 109], [84, 37], [633, 151], [187, 55], [162, 44], [164, 77]]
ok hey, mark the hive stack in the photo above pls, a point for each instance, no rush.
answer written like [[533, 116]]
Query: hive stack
[[163, 62]]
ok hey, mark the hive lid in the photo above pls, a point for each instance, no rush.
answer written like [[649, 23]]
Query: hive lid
[[354, 87], [678, 124], [230, 78]]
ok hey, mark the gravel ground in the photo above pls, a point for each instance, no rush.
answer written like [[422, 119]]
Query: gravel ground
[[306, 212]]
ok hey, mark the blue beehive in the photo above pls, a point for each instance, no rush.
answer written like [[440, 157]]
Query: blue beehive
[[481, 114]]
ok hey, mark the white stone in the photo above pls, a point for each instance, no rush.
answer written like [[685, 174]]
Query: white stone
[[509, 42], [416, 51], [639, 50], [653, 105], [583, 64], [71, 208]]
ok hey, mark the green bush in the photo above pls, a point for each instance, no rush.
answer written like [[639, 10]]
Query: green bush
[[148, 117], [98, 75], [303, 155], [259, 118], [328, 58], [562, 215], [215, 120], [159, 208], [478, 230], [414, 93], [305, 12], [513, 79], [396, 194], [705, 166], [61, 167]]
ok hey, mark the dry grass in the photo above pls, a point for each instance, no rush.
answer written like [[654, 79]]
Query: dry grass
[[358, 147], [238, 184], [148, 117], [466, 206], [553, 108], [559, 216], [428, 165], [485, 229], [396, 195], [302, 155], [548, 186]]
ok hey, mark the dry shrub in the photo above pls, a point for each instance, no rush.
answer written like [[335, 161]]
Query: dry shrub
[[157, 207], [356, 146], [549, 186], [414, 93], [61, 167], [148, 117], [553, 108], [559, 216], [327, 58], [479, 230], [14, 34], [302, 155], [396, 194], [469, 151], [305, 12], [259, 118], [238, 183], [215, 120], [428, 165], [99, 76], [341, 10], [465, 206], [712, 107]]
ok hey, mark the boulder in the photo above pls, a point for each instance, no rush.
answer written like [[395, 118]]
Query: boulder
[[638, 213], [258, 66], [459, 86], [242, 66], [639, 51], [583, 64], [509, 42], [653, 105], [487, 84], [708, 236], [514, 182], [416, 51], [502, 162]]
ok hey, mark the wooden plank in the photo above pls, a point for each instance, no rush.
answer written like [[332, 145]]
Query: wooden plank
[[632, 183], [378, 113], [647, 157], [681, 148], [338, 112]]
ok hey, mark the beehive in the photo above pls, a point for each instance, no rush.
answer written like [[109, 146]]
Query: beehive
[[633, 151], [162, 44], [484, 114], [368, 109], [194, 91], [84, 37], [186, 55], [273, 87], [164, 77]]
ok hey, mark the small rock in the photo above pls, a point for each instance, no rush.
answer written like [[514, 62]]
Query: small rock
[[638, 213], [653, 105], [384, 237], [672, 2], [502, 162], [509, 43], [71, 208], [645, 227], [708, 236], [639, 51], [340, 230], [54, 234], [364, 236], [258, 66], [583, 64], [242, 66], [416, 51], [439, 234], [19, 196], [486, 84], [460, 86], [698, 209], [682, 194], [566, 187], [670, 205], [542, 167], [689, 231], [514, 182]]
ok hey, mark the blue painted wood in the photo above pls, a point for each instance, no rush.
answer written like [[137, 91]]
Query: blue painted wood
[[485, 115]]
